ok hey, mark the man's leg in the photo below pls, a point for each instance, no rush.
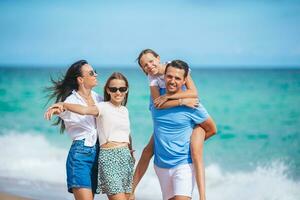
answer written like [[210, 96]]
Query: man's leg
[[183, 180], [165, 180]]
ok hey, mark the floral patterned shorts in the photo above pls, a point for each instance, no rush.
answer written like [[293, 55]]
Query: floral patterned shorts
[[115, 170]]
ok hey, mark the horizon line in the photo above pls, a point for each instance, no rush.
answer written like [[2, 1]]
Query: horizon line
[[244, 66]]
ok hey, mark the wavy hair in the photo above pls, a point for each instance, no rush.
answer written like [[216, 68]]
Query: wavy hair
[[63, 87]]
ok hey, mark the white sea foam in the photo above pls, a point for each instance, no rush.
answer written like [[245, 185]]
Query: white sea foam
[[32, 157], [264, 183]]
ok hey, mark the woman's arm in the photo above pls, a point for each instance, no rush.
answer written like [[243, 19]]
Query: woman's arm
[[82, 110], [60, 107], [52, 111]]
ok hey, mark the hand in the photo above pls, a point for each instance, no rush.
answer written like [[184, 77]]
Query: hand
[[56, 108], [131, 152], [190, 102], [59, 105], [48, 114], [159, 101]]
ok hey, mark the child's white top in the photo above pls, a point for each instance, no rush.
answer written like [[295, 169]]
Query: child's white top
[[158, 81], [112, 123]]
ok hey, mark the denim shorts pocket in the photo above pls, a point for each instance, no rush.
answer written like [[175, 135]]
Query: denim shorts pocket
[[83, 150]]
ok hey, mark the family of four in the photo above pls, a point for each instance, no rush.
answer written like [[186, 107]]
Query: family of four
[[101, 159]]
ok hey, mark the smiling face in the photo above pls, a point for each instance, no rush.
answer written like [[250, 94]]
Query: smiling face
[[88, 76], [174, 79], [150, 64], [117, 90]]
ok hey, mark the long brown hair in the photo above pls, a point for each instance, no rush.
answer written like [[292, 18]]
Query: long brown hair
[[63, 87], [120, 76]]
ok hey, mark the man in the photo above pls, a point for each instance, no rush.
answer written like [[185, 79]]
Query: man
[[172, 132]]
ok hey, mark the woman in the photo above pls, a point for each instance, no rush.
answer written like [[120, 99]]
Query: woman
[[150, 63], [81, 165], [115, 160]]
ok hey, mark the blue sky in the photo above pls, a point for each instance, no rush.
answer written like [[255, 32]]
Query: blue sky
[[212, 33]]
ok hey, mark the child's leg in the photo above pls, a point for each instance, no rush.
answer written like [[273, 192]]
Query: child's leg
[[142, 164], [197, 142], [209, 127]]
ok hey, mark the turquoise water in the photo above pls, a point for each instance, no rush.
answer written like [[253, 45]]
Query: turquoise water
[[257, 113]]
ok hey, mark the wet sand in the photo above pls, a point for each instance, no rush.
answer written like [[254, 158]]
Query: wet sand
[[5, 196]]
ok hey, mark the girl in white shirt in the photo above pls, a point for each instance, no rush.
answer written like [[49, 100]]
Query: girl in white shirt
[[81, 165], [115, 160]]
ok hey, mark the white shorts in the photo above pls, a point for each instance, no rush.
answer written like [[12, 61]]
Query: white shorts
[[179, 180]]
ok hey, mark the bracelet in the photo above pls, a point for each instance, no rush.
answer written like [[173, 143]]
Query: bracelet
[[180, 102]]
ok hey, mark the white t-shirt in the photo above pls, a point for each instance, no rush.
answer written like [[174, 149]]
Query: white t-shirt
[[80, 127], [158, 81], [113, 123]]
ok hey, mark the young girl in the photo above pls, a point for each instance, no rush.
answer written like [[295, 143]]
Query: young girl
[[149, 61], [115, 160]]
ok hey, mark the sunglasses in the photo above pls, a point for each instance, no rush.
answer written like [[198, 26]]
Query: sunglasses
[[115, 89], [93, 73]]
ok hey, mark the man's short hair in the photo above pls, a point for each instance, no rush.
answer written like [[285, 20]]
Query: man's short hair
[[179, 64]]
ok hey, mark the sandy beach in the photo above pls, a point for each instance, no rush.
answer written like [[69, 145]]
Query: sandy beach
[[22, 189], [31, 189], [5, 196]]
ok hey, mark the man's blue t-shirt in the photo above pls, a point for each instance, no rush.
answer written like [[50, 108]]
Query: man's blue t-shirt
[[172, 131]]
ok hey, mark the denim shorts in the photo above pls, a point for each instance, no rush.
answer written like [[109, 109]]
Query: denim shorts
[[81, 165]]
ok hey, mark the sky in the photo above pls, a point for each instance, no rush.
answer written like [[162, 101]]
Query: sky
[[208, 33]]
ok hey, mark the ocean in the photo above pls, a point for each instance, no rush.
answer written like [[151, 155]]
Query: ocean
[[255, 154]]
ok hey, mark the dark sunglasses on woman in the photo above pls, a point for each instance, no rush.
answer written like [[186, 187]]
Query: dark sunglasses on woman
[[115, 89], [93, 73]]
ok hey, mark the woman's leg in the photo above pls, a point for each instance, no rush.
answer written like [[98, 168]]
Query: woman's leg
[[197, 142], [128, 196], [142, 165], [81, 174], [83, 194], [119, 196]]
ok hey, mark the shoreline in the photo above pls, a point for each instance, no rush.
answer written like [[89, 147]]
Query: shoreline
[[7, 196], [24, 189]]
